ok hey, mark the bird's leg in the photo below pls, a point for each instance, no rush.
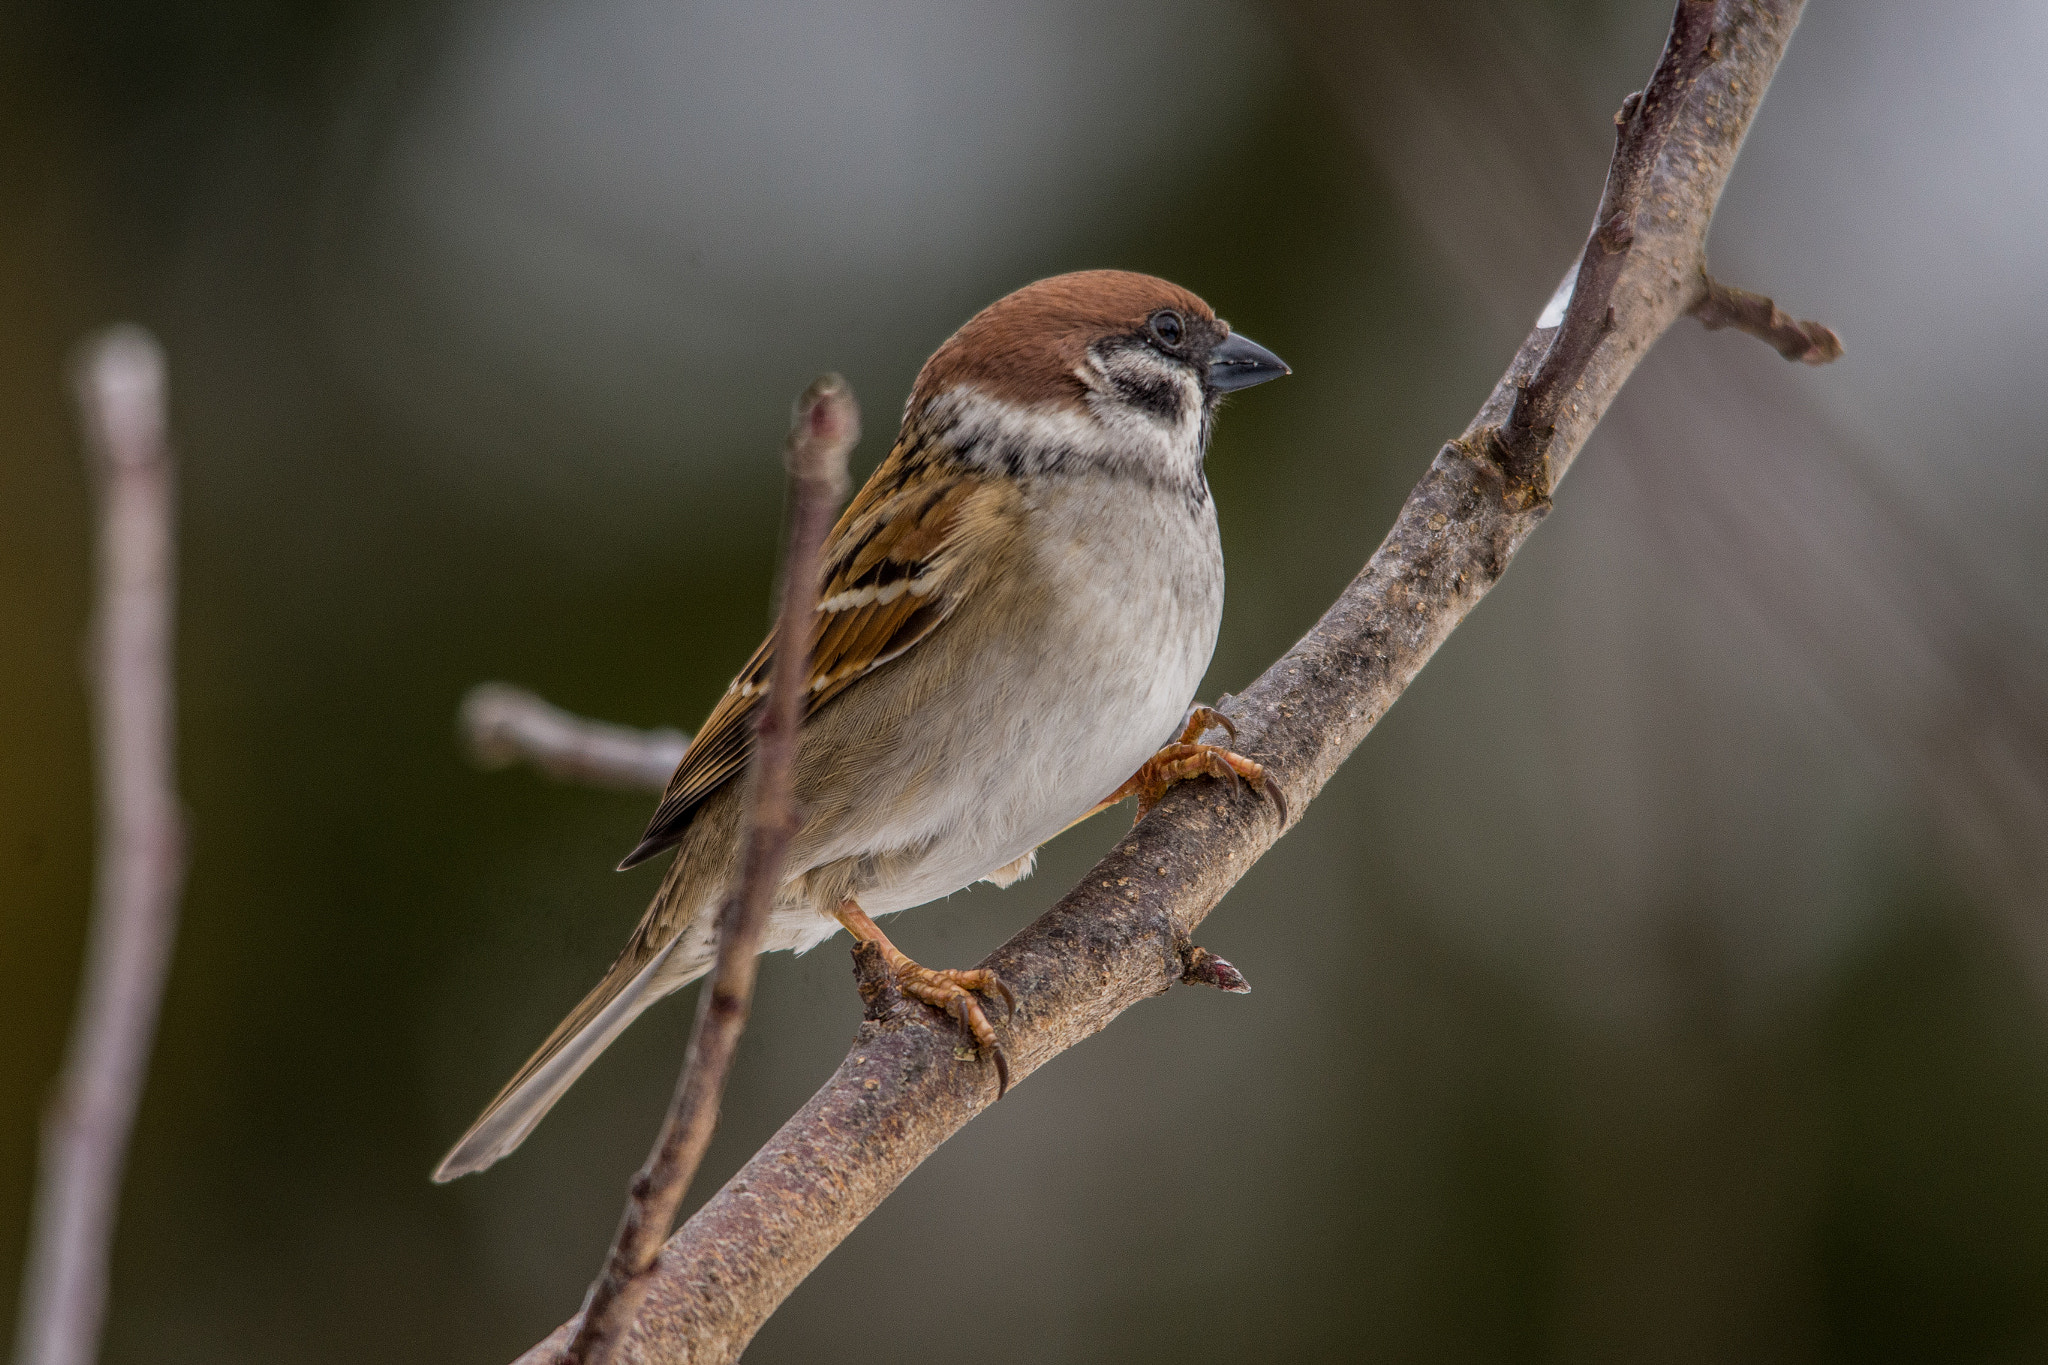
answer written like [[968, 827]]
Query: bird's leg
[[1185, 758], [949, 989]]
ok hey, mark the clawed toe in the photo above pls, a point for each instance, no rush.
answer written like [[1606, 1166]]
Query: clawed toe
[[951, 989], [954, 990], [1179, 762], [1205, 718], [1187, 758], [1272, 790]]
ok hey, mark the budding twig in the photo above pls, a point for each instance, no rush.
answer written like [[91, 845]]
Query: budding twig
[[823, 431], [140, 858]]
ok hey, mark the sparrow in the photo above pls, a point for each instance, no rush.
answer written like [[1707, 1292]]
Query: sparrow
[[1013, 616]]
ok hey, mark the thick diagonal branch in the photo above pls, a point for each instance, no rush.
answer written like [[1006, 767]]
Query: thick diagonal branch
[[140, 858], [823, 431], [1123, 934]]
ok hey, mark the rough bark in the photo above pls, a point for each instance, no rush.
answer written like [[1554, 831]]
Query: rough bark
[[1123, 934]]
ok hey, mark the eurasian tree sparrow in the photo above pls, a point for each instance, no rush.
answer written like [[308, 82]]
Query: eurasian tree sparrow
[[1015, 613]]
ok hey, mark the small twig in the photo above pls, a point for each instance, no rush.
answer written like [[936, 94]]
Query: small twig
[[824, 429], [1724, 305], [140, 858], [504, 725]]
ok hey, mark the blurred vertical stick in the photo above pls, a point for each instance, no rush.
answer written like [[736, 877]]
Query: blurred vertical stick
[[140, 863], [822, 433]]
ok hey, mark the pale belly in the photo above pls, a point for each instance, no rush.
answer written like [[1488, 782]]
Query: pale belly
[[1041, 726]]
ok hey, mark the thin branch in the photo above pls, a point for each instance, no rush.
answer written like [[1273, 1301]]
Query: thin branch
[[1724, 305], [1124, 933], [823, 431], [503, 725], [140, 857]]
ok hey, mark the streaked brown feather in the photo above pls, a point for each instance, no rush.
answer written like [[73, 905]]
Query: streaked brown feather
[[903, 525]]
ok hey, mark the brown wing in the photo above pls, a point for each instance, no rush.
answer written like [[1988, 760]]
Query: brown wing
[[889, 577]]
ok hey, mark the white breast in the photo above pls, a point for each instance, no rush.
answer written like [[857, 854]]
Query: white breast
[[1135, 579]]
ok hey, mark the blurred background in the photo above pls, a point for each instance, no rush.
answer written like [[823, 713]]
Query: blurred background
[[1667, 977]]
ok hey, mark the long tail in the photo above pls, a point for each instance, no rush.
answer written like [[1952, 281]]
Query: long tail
[[633, 983]]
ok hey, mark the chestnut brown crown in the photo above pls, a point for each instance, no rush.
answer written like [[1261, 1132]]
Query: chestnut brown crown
[[1028, 347]]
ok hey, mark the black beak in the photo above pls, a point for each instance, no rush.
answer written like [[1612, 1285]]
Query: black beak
[[1239, 362]]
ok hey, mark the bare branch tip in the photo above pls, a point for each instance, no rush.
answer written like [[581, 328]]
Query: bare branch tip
[[119, 380], [1797, 339], [501, 725], [823, 430], [485, 720]]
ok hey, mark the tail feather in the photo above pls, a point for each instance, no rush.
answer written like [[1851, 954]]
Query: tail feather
[[590, 1028]]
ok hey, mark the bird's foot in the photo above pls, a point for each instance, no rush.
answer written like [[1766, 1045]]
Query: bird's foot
[[1186, 759], [952, 989], [955, 991]]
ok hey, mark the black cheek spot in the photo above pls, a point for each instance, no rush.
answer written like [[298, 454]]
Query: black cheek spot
[[1161, 396]]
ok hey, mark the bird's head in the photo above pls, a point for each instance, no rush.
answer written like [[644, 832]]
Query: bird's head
[[1103, 367]]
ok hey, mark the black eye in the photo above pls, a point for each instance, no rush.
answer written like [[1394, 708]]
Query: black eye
[[1167, 327]]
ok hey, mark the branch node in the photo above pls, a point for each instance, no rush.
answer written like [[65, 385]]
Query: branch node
[[880, 999], [1617, 233], [1518, 457], [1200, 967], [1518, 410]]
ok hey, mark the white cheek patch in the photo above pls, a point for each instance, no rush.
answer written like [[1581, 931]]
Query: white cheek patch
[[1107, 434], [1091, 374]]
